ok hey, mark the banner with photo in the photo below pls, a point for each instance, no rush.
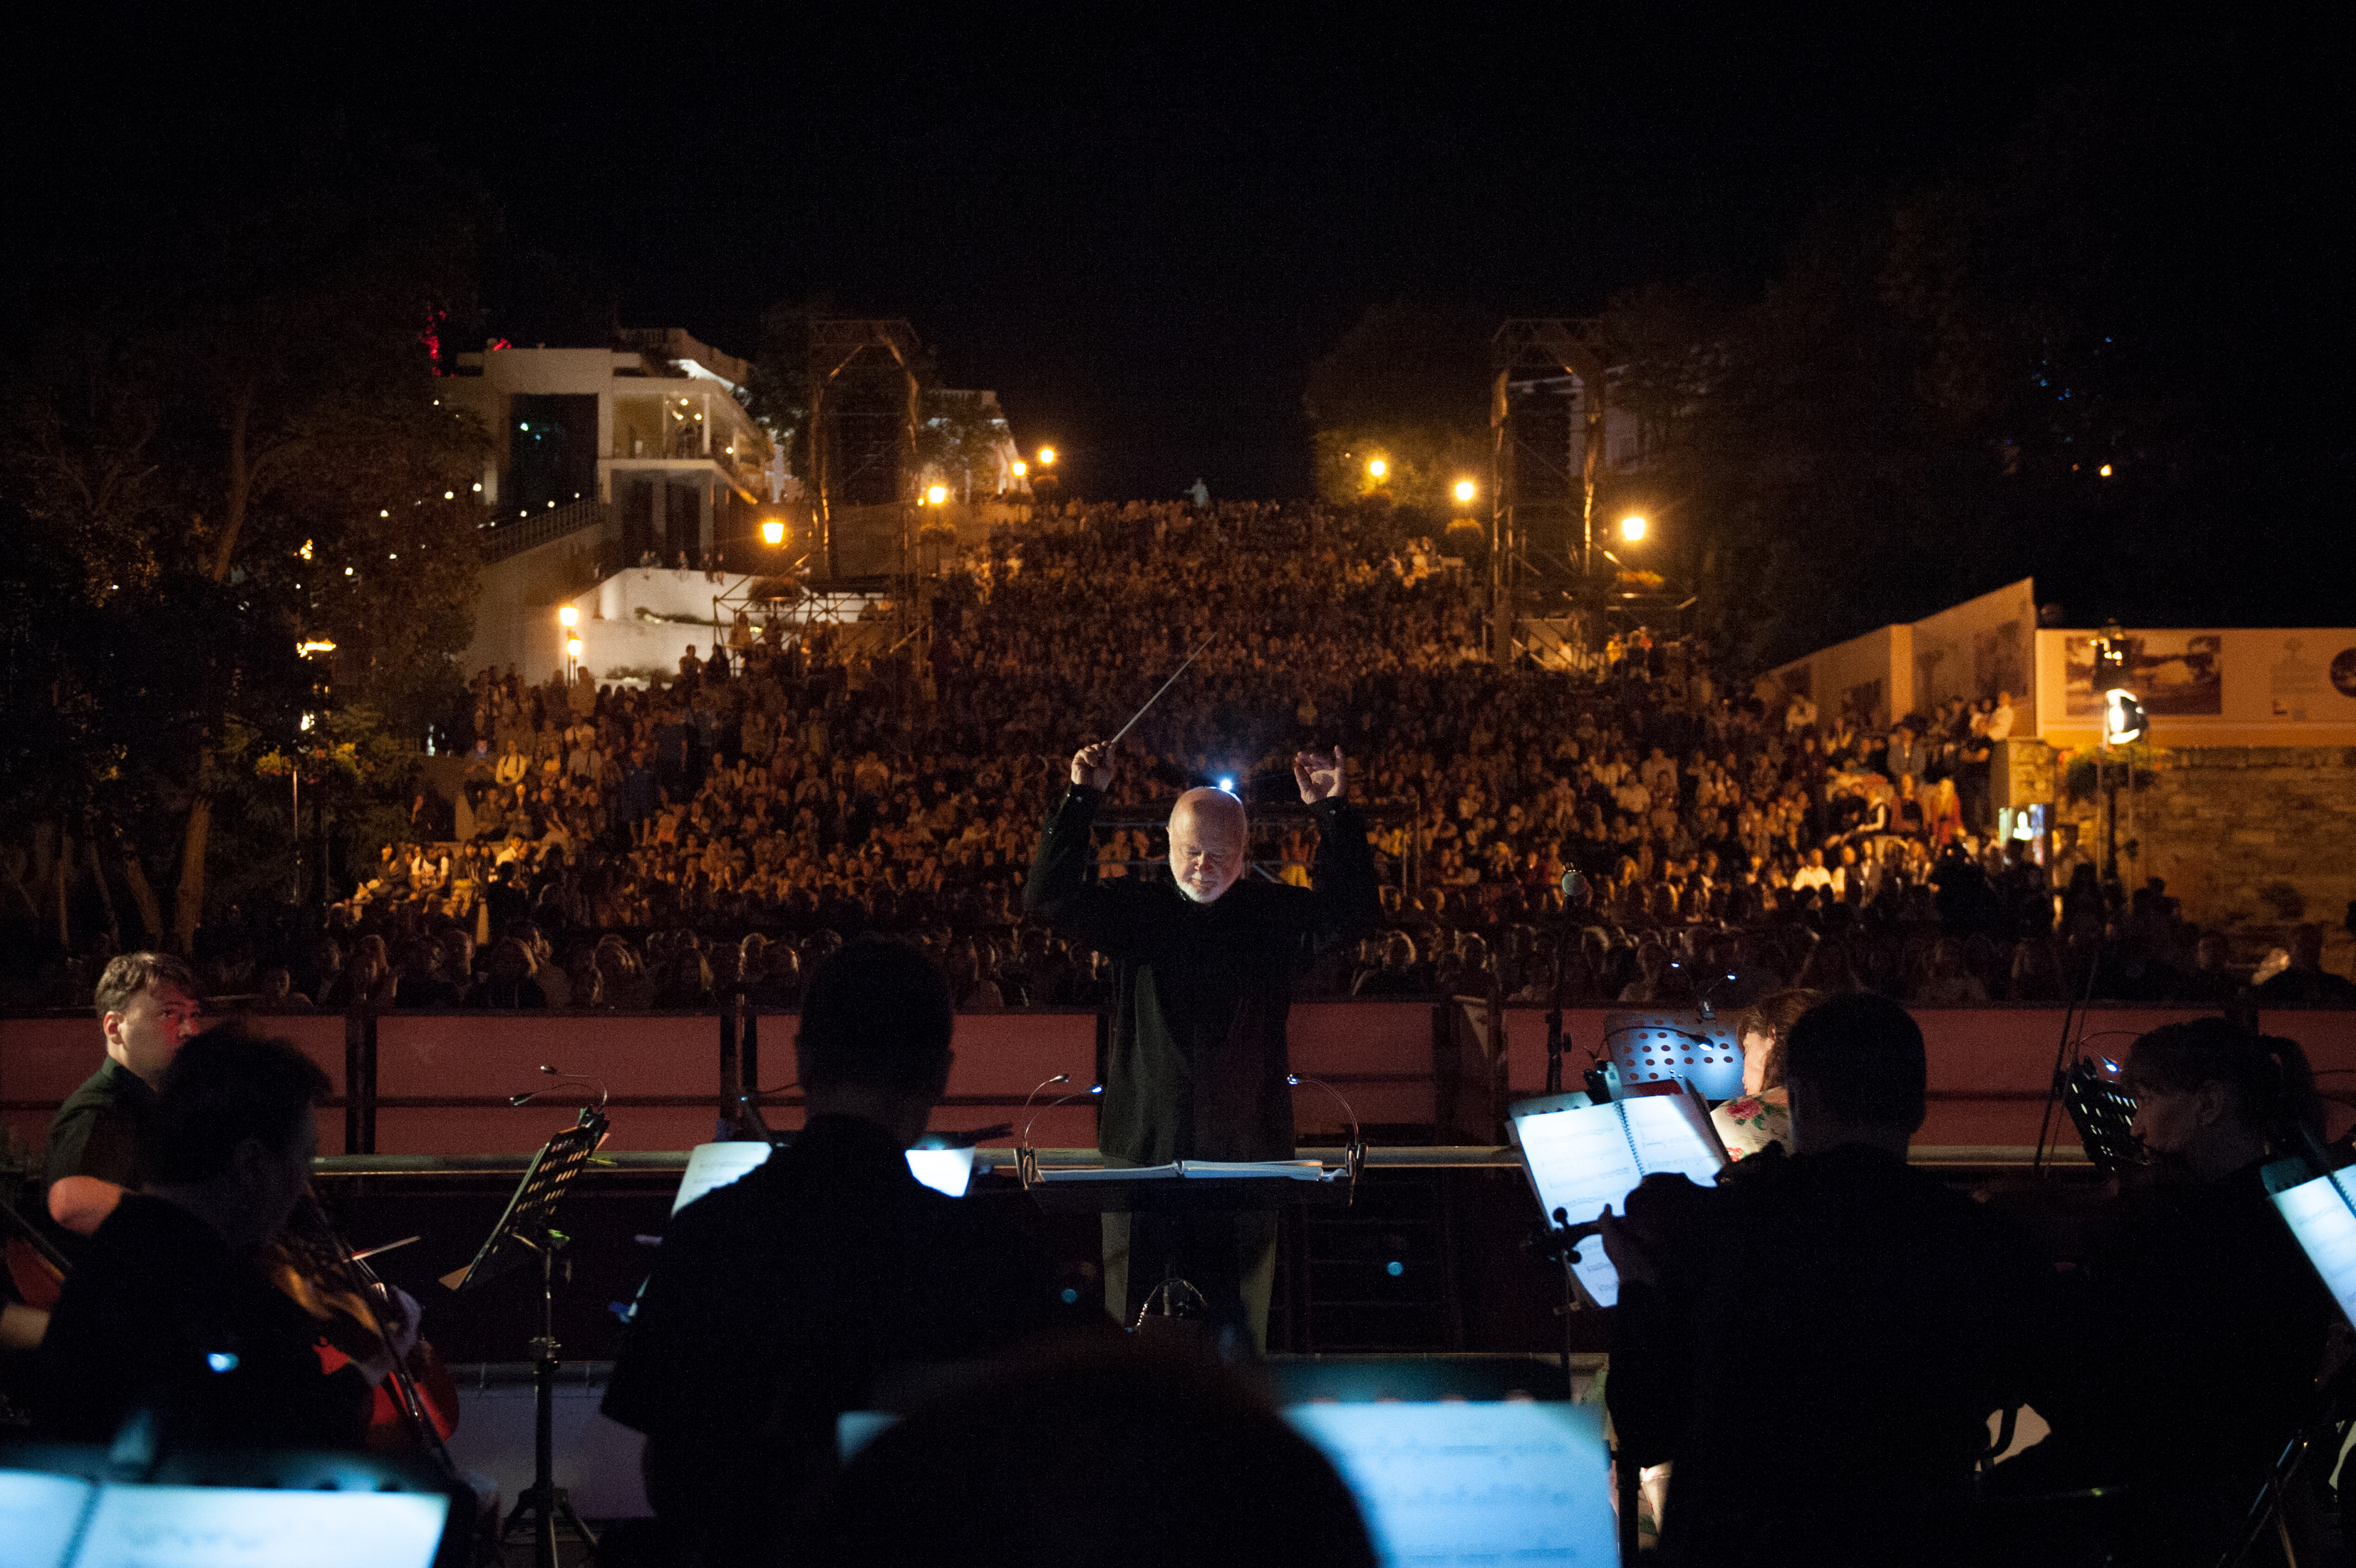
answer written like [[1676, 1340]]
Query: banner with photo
[[2175, 674]]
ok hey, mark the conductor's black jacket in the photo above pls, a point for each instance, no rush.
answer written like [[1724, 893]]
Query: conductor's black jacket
[[1198, 1067]]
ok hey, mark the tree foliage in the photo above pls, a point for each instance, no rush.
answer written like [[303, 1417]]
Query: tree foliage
[[223, 437], [1405, 385]]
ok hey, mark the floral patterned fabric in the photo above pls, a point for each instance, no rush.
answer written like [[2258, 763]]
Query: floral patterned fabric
[[1749, 1124]]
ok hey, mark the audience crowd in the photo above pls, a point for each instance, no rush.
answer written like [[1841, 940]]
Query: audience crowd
[[633, 844]]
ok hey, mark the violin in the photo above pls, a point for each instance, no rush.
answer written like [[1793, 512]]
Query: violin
[[416, 1406]]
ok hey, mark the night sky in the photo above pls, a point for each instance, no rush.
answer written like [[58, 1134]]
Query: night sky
[[1139, 232]]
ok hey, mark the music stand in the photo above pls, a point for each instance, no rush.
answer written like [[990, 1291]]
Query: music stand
[[1665, 1044], [2103, 1114], [527, 1229]]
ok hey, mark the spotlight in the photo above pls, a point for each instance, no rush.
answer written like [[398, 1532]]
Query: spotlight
[[1228, 783], [2123, 718]]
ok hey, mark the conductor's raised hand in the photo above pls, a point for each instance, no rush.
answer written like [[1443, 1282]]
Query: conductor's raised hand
[[1092, 765], [1320, 776]]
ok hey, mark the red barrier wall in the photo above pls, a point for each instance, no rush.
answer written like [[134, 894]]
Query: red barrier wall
[[1377, 1055], [42, 1061], [442, 1080]]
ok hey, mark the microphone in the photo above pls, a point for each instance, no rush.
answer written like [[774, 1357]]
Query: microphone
[[562, 1078]]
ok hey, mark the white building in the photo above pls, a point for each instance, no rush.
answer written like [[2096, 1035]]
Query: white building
[[655, 430]]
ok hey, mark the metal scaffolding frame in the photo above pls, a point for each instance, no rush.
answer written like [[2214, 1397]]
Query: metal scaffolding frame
[[835, 347], [1524, 347]]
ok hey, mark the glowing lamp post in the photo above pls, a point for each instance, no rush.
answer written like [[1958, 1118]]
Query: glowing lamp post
[[936, 495], [1465, 490], [773, 531], [1632, 528]]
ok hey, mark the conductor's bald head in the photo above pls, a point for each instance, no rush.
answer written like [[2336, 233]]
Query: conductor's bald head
[[1206, 843]]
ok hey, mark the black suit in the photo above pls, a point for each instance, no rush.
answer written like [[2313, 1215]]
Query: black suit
[[1198, 1067], [1819, 1359], [775, 1303]]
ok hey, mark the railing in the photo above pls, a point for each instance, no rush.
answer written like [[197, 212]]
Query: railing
[[438, 1083], [502, 539]]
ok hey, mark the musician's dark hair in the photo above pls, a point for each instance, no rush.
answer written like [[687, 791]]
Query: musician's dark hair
[[1103, 1450], [223, 1086], [1862, 1055], [130, 974], [1773, 1016], [878, 1011], [2274, 1086]]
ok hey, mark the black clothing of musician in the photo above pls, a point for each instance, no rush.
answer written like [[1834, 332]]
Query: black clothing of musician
[[1819, 1356], [1198, 1067], [96, 1132], [2186, 1356], [775, 1303], [161, 1313]]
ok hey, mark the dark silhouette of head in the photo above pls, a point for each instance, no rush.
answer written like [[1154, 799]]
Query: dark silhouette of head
[[1098, 1453]]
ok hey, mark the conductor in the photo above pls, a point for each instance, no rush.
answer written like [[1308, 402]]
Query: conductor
[[1203, 967]]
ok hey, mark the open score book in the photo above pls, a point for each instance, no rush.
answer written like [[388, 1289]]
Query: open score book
[[1583, 1158]]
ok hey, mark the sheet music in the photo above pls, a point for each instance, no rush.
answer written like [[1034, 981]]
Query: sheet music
[[1294, 1170], [1579, 1160], [38, 1517], [1670, 1138], [237, 1527], [1589, 1156], [714, 1165], [1454, 1483], [2325, 1226], [1115, 1173]]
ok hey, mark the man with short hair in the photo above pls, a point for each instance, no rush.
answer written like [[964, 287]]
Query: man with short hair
[[167, 1310], [147, 1002], [777, 1302], [1891, 1314], [1203, 966]]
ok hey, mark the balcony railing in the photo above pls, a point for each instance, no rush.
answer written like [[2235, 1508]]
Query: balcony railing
[[512, 536]]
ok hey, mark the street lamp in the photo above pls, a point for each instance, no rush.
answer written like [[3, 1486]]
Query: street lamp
[[1021, 467], [1466, 490], [936, 495], [1632, 528], [568, 617], [773, 530], [1376, 469], [1046, 457]]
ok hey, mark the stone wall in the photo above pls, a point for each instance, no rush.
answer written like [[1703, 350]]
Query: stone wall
[[2253, 840]]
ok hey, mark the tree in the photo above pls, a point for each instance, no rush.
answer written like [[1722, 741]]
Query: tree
[[1406, 386], [218, 445]]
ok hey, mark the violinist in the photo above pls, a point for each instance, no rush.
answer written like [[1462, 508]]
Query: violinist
[[2193, 1328], [169, 1308]]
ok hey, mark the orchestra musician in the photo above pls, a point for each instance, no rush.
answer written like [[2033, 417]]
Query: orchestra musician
[[1203, 968], [777, 1302], [148, 1003], [169, 1309], [1817, 1348], [1760, 1119], [2193, 1328]]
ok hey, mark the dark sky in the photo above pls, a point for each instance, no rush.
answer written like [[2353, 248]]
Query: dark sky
[[1139, 232]]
